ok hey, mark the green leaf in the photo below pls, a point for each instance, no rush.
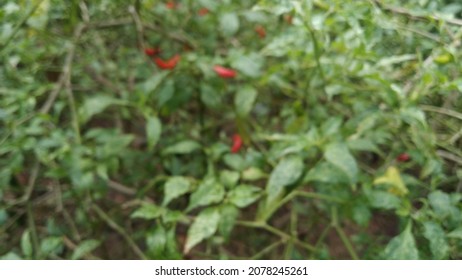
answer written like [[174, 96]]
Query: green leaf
[[438, 243], [229, 24], [228, 217], [50, 245], [244, 100], [402, 247], [249, 65], [326, 172], [148, 211], [26, 244], [210, 96], [175, 187], [84, 248], [183, 147], [286, 173], [441, 203], [156, 241], [204, 226], [244, 195], [229, 178], [10, 256], [234, 161], [153, 131], [209, 191], [383, 200], [154, 81], [457, 233], [95, 105], [252, 174], [339, 155]]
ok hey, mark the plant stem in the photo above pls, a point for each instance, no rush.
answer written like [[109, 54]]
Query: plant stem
[[346, 242], [120, 230]]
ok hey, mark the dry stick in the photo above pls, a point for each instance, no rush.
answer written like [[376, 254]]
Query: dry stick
[[402, 11], [342, 235], [267, 249], [443, 111], [102, 80], [71, 245], [119, 230], [139, 26], [449, 156], [284, 236], [65, 72]]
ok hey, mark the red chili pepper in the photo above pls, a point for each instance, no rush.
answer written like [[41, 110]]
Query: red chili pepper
[[170, 5], [237, 143], [203, 12], [260, 31], [151, 51], [167, 64], [224, 72], [403, 157]]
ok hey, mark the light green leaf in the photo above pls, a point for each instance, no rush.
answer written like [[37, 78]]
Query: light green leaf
[[183, 147], [229, 24], [26, 244], [234, 161], [148, 211], [204, 226], [457, 233], [438, 243], [249, 65], [392, 178], [339, 155], [175, 187], [244, 195], [287, 172], [209, 191], [153, 131], [252, 174], [402, 247], [10, 256], [244, 100], [84, 248], [50, 245], [154, 81], [95, 105]]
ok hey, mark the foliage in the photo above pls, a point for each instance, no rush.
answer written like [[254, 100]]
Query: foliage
[[117, 121]]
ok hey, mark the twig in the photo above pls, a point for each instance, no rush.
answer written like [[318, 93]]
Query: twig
[[139, 26], [30, 186], [443, 111], [267, 249], [346, 242], [402, 11], [71, 245], [449, 156], [284, 236], [119, 230], [65, 72]]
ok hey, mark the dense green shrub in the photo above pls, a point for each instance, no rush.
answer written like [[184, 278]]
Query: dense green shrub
[[120, 137]]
